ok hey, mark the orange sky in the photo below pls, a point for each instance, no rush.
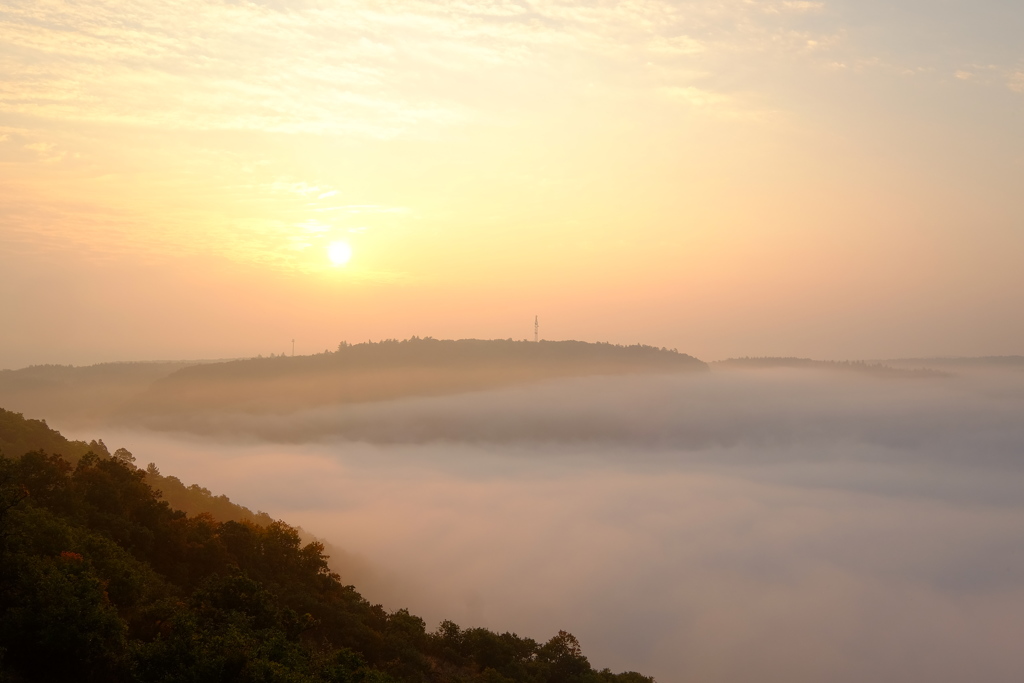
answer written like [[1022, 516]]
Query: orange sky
[[731, 177]]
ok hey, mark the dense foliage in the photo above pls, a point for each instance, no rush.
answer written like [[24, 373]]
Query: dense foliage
[[102, 580]]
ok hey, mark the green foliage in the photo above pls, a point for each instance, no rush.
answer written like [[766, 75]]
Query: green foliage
[[102, 580]]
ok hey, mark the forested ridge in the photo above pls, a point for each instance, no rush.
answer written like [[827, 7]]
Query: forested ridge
[[381, 371], [184, 395], [101, 579]]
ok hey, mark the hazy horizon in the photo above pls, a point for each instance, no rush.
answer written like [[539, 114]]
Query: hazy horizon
[[143, 358]]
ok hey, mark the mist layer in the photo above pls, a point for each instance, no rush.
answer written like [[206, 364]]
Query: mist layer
[[778, 525]]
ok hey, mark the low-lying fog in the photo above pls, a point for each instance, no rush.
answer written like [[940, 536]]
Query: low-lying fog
[[766, 525]]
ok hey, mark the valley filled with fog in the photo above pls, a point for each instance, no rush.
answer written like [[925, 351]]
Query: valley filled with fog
[[771, 524]]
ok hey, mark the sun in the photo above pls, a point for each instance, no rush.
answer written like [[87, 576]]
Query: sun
[[339, 253]]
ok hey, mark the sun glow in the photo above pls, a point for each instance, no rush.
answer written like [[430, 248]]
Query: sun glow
[[339, 253]]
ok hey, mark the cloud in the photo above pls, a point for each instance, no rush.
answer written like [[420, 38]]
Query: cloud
[[697, 97], [133, 90], [714, 104], [171, 117], [796, 6], [803, 6], [790, 526], [341, 68], [781, 414]]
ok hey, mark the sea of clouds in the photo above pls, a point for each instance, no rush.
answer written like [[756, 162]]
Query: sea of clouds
[[755, 525]]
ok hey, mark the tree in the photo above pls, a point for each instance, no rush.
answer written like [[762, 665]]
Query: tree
[[564, 658], [124, 456]]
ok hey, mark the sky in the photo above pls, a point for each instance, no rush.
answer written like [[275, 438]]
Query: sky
[[835, 179]]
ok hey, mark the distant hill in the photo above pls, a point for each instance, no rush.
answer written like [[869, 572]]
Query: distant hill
[[863, 367], [77, 396], [392, 369], [132, 393], [952, 363]]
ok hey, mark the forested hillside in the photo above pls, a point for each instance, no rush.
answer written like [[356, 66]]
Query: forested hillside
[[19, 435], [102, 580]]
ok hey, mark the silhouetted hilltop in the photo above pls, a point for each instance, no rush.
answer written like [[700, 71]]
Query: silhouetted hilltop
[[451, 354], [131, 393], [392, 369], [102, 580]]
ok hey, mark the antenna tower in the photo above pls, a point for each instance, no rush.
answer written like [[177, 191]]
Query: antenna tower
[[536, 329], [293, 348]]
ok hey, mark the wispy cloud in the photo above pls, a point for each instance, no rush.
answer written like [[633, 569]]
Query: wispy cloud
[[167, 120], [345, 68]]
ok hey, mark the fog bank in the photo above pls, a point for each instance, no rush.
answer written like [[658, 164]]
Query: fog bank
[[733, 526]]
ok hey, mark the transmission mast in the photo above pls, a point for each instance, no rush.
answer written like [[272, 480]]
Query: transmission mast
[[536, 329]]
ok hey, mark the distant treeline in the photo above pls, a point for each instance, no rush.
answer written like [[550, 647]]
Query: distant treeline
[[448, 353], [996, 362], [102, 580], [878, 369], [376, 371], [78, 396], [156, 394]]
